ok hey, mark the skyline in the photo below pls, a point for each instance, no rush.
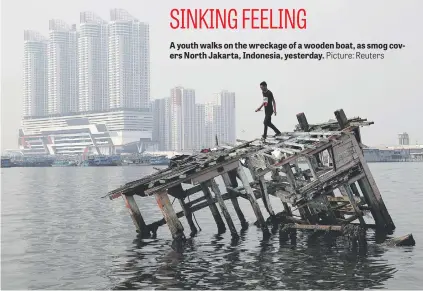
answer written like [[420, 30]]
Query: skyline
[[100, 66], [104, 65], [393, 108]]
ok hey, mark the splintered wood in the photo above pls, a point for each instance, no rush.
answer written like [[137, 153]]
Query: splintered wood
[[317, 172]]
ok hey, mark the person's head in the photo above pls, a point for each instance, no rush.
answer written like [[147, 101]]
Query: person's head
[[263, 86]]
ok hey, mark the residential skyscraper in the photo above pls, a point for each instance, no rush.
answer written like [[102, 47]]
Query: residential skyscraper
[[200, 126], [62, 68], [161, 123], [227, 130], [129, 61], [213, 123], [93, 63], [188, 119], [182, 119], [35, 86], [176, 118]]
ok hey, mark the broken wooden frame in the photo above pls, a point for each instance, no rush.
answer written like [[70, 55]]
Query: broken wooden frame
[[289, 167]]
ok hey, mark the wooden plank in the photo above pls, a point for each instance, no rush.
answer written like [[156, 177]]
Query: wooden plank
[[317, 227], [206, 176], [192, 190], [225, 212], [169, 214], [344, 152], [190, 177]]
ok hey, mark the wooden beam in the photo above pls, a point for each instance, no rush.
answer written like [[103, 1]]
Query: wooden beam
[[223, 209], [169, 214], [346, 191], [252, 199], [221, 228], [302, 121], [230, 183], [136, 216]]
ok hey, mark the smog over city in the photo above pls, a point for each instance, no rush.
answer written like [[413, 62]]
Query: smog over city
[[211, 145]]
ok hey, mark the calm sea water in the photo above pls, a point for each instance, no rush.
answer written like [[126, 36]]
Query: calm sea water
[[57, 233]]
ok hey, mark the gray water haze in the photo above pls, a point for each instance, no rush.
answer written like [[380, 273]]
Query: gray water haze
[[57, 233]]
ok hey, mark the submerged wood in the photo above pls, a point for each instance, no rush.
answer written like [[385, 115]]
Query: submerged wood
[[301, 169]]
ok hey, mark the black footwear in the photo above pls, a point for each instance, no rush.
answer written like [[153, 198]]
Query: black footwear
[[278, 134], [263, 137]]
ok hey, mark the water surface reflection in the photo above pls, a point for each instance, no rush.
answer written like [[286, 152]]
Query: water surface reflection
[[320, 262]]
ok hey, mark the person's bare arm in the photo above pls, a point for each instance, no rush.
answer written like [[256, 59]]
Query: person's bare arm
[[262, 104], [274, 106]]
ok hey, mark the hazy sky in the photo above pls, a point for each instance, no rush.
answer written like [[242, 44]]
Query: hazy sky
[[387, 91]]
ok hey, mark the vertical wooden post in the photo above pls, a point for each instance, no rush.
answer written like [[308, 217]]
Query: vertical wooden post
[[178, 192], [371, 200], [230, 183], [169, 214], [263, 189], [312, 164], [346, 191], [355, 189], [265, 195], [216, 191], [188, 216], [302, 121], [252, 199], [372, 194], [341, 118], [136, 216], [276, 177], [302, 209], [221, 228]]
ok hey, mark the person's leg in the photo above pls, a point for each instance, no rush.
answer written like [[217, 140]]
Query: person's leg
[[266, 123], [270, 124]]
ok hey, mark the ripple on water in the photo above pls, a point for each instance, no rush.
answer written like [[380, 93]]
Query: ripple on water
[[58, 234]]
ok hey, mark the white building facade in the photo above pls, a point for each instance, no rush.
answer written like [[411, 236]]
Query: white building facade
[[93, 63], [188, 120], [129, 61], [213, 123], [162, 123], [227, 129], [62, 68], [200, 126], [122, 126], [35, 66]]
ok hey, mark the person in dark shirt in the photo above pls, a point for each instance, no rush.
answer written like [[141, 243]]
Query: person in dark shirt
[[269, 105]]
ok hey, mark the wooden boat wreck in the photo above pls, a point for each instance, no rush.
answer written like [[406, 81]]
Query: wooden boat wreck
[[303, 169]]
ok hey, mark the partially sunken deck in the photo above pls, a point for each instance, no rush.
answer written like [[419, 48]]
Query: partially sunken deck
[[301, 168]]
